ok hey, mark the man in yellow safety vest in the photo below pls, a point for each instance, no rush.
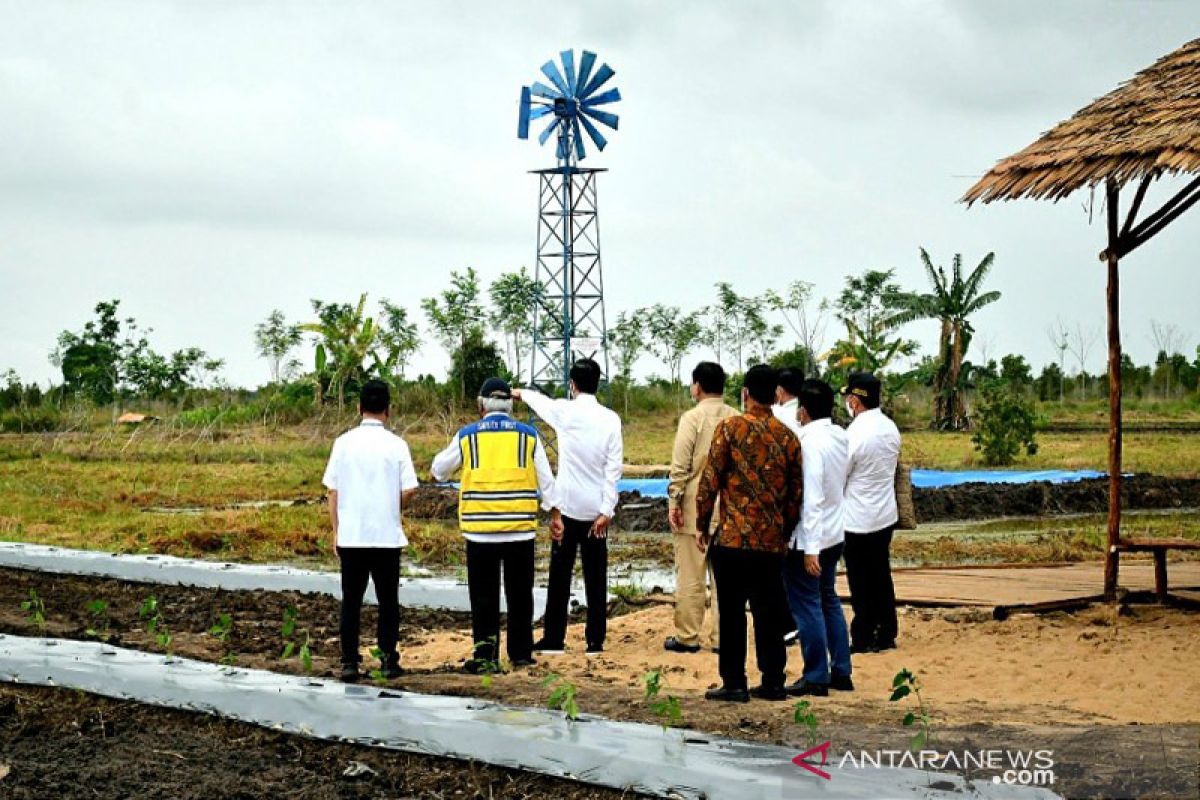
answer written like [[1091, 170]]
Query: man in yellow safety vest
[[505, 473]]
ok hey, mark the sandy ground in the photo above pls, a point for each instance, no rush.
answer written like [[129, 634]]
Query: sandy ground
[[1096, 666]]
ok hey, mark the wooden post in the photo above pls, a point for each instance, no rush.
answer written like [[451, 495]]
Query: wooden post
[[1112, 557], [1160, 574]]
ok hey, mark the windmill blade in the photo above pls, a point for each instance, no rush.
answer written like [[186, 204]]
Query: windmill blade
[[542, 90], [585, 70], [594, 132], [540, 112], [602, 117], [603, 74], [551, 71], [611, 96], [523, 115], [580, 153], [568, 59], [549, 130]]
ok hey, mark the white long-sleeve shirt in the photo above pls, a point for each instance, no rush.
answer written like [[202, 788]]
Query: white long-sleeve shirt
[[449, 461], [786, 413], [824, 453], [871, 476], [590, 453]]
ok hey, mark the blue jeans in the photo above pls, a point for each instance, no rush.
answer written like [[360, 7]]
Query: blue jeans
[[817, 610]]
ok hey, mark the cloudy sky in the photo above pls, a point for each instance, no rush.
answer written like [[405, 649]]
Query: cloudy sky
[[206, 162]]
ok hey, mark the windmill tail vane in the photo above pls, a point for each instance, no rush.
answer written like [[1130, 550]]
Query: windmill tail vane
[[572, 99]]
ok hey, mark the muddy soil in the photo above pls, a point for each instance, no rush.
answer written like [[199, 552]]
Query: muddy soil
[[189, 613], [60, 743]]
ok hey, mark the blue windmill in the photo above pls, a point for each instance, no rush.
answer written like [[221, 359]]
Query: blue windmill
[[569, 321], [573, 101]]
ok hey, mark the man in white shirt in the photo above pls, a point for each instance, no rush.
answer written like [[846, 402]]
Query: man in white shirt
[[810, 572], [589, 466], [370, 476], [505, 473], [786, 402], [870, 516]]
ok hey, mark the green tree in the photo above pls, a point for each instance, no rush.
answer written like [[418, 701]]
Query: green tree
[[626, 342], [274, 339], [345, 337], [1005, 425], [672, 334], [515, 295], [869, 306], [397, 341], [952, 301], [476, 361], [456, 314], [806, 319]]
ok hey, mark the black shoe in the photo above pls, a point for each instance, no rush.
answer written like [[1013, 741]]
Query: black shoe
[[842, 683], [888, 645], [717, 650], [594, 649], [728, 695], [390, 667], [802, 687], [349, 673], [479, 666], [765, 692], [676, 646], [528, 661], [548, 648], [863, 647]]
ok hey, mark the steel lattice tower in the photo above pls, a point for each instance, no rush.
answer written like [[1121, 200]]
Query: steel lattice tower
[[569, 322]]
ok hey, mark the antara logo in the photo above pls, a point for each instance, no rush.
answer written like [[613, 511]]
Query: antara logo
[[800, 760]]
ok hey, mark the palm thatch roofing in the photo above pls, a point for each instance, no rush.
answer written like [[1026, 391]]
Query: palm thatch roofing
[[1147, 127]]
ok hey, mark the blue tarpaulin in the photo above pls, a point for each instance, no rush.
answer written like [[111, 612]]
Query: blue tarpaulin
[[921, 478]]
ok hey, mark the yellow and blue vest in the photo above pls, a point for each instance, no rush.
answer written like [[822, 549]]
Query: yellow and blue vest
[[499, 488]]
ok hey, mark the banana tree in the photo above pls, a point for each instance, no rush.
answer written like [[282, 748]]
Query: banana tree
[[346, 337]]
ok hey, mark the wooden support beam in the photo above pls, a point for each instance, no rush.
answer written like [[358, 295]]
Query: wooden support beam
[[1112, 556]]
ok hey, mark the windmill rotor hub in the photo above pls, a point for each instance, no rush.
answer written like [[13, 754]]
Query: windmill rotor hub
[[572, 100]]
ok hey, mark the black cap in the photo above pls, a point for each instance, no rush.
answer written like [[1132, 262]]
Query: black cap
[[863, 384], [496, 388]]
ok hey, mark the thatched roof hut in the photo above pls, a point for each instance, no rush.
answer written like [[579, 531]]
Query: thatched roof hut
[[1146, 128]]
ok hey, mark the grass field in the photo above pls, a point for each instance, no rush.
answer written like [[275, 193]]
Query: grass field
[[104, 490]]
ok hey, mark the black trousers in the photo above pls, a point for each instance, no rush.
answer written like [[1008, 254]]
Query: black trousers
[[382, 566], [594, 552], [872, 595], [749, 575], [484, 562]]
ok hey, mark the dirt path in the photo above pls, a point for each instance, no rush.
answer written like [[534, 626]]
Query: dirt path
[[59, 743]]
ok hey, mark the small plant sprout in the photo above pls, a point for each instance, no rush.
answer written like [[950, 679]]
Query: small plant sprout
[[306, 654], [223, 630], [156, 626], [292, 644], [488, 668], [904, 684], [803, 715], [99, 626], [377, 673], [562, 695], [667, 708], [35, 610]]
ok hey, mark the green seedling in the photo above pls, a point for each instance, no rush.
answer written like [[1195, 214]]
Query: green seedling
[[488, 668], [292, 645], [156, 626], [667, 708], [35, 610], [223, 630], [99, 626], [803, 715], [377, 673], [306, 654], [562, 695], [905, 684]]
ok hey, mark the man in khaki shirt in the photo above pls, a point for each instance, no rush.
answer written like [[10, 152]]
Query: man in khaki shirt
[[692, 442]]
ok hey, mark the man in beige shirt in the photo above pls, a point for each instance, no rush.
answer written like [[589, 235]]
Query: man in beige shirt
[[692, 442]]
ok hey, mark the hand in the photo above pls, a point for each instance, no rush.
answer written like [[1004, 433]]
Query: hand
[[812, 565], [702, 540], [516, 394], [600, 527], [556, 525], [675, 518]]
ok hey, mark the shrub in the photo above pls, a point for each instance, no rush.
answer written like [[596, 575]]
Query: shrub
[[1005, 425]]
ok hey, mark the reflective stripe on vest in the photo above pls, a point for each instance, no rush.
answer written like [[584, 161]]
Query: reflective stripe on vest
[[499, 488]]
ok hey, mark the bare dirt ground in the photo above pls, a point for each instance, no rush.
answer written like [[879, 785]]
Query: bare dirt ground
[[64, 744], [1106, 665]]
